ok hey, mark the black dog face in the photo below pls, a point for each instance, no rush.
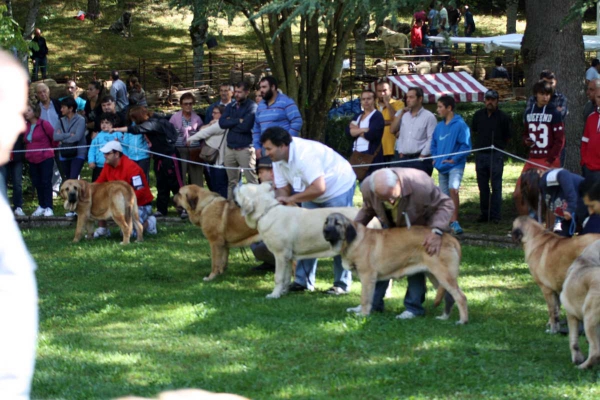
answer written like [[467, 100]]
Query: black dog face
[[330, 230], [338, 227], [517, 235]]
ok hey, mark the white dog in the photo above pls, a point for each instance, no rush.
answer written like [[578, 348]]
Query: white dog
[[290, 233], [393, 39]]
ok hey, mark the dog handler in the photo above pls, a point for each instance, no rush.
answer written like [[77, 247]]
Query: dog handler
[[18, 291], [320, 178], [401, 197]]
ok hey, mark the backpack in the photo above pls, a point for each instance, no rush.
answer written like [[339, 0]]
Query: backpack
[[169, 130]]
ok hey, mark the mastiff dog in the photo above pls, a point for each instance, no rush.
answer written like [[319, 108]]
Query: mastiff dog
[[290, 233], [394, 253], [581, 299], [549, 256], [221, 222], [101, 201]]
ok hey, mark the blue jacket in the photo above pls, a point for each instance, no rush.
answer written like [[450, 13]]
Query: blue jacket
[[135, 147], [451, 138], [283, 113], [564, 193], [94, 154], [240, 133]]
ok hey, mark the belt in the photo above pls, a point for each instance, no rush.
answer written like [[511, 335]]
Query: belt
[[409, 156], [239, 148]]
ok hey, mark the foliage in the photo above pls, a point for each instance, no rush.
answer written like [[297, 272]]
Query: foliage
[[11, 37]]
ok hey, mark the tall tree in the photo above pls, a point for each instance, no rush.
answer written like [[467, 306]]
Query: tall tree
[[34, 8], [93, 8], [8, 12], [552, 42], [512, 7], [360, 44]]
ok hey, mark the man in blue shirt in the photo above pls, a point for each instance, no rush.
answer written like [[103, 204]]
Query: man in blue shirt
[[118, 90], [276, 109], [238, 118]]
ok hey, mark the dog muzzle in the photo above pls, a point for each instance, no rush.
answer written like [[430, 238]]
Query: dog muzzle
[[331, 234], [517, 235], [72, 198]]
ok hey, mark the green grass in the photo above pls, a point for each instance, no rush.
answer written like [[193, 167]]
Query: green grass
[[139, 319]]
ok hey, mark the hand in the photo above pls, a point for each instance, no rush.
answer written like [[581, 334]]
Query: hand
[[285, 200], [258, 153], [529, 142], [448, 161], [432, 244], [567, 215], [94, 134], [92, 165]]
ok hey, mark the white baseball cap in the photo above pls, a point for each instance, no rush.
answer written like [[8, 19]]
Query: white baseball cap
[[113, 145]]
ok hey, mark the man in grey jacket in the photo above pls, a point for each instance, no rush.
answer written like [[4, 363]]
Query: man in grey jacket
[[402, 197]]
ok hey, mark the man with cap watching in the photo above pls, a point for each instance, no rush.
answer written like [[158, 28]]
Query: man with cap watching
[[118, 167], [491, 127], [264, 170]]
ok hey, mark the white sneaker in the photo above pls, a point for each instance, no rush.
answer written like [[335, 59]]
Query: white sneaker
[[48, 212], [71, 214], [355, 310], [557, 226], [38, 212], [101, 232], [406, 315], [151, 229], [19, 212]]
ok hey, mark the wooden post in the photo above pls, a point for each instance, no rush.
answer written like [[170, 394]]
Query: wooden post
[[169, 83], [144, 72], [210, 69]]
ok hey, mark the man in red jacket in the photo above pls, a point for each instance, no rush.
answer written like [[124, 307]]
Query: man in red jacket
[[590, 143], [118, 167]]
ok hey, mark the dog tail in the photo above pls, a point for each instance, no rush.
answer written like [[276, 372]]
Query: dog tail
[[439, 296]]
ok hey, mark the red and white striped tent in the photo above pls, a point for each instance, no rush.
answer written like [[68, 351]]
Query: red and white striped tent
[[461, 85]]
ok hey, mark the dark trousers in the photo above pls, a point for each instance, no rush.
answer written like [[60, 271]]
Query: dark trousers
[[468, 49], [168, 180], [40, 64], [586, 172], [414, 162], [13, 171], [414, 298], [41, 178], [72, 167], [145, 166], [489, 167], [96, 173], [217, 180], [261, 252]]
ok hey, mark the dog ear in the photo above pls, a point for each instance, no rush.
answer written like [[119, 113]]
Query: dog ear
[[350, 233], [192, 201]]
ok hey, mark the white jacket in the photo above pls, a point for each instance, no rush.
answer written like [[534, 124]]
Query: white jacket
[[214, 136]]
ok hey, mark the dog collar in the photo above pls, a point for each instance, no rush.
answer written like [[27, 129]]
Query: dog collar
[[267, 211]]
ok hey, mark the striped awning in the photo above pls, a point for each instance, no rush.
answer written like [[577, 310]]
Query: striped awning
[[461, 85]]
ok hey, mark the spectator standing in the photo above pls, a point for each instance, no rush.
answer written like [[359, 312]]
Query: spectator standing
[[137, 95], [499, 71], [118, 91], [396, 195], [50, 111], [491, 127], [39, 57], [238, 119], [187, 121], [451, 135], [70, 131], [367, 130], [590, 192], [319, 178], [416, 37], [276, 109], [414, 128], [18, 292], [13, 171], [73, 89], [590, 92], [226, 98], [388, 108], [39, 134], [433, 18], [454, 17], [592, 72], [469, 27], [443, 23], [93, 108], [590, 142], [214, 136]]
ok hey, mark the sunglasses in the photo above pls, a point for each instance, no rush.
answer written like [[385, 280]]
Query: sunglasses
[[187, 104], [72, 87]]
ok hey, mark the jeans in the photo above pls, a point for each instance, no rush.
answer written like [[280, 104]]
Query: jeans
[[451, 179], [40, 63], [262, 253], [454, 32], [14, 172], [422, 165], [489, 167], [306, 270], [41, 178], [72, 167], [413, 299], [468, 49]]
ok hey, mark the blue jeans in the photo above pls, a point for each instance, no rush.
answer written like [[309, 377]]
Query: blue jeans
[[72, 167], [40, 63], [454, 32], [306, 270], [413, 299], [13, 171], [451, 179]]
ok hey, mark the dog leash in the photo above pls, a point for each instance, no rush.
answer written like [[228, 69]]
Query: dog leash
[[245, 255]]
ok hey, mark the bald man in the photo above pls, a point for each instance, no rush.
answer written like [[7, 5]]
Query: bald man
[[402, 197], [590, 92], [18, 292], [39, 57]]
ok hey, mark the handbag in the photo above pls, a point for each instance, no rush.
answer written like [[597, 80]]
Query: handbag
[[67, 153], [357, 158], [205, 153]]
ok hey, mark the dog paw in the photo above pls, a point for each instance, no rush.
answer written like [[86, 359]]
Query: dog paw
[[355, 310], [209, 278], [443, 317], [578, 359], [461, 322], [273, 295]]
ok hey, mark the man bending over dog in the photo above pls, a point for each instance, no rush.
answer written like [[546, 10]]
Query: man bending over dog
[[320, 178], [118, 167], [403, 197]]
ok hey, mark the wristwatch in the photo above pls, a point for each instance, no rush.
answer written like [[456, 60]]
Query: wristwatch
[[437, 231]]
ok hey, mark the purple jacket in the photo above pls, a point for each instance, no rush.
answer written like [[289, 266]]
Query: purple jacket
[[42, 138], [177, 121]]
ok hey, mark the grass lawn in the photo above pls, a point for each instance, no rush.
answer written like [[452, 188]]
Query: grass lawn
[[139, 320]]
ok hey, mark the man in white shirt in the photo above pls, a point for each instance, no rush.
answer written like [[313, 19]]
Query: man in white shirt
[[593, 71], [18, 291], [443, 18], [313, 174]]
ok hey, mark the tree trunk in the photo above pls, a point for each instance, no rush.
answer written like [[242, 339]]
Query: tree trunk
[[93, 9], [34, 8], [9, 12], [548, 44], [360, 39], [511, 25], [198, 34]]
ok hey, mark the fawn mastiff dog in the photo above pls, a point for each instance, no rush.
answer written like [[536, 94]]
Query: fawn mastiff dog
[[549, 256], [101, 201], [221, 222], [393, 253], [581, 298], [290, 233]]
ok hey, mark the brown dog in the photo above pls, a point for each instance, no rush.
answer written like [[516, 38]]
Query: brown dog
[[581, 299], [549, 256], [393, 253], [101, 201], [221, 222]]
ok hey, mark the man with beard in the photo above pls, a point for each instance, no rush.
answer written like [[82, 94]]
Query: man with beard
[[492, 127], [276, 109]]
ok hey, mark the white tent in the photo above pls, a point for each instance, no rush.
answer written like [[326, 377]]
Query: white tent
[[511, 42]]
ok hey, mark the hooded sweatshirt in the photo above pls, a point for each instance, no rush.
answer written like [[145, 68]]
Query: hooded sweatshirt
[[451, 138]]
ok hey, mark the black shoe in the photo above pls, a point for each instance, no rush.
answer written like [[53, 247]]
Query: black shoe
[[264, 267], [296, 287], [482, 219]]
